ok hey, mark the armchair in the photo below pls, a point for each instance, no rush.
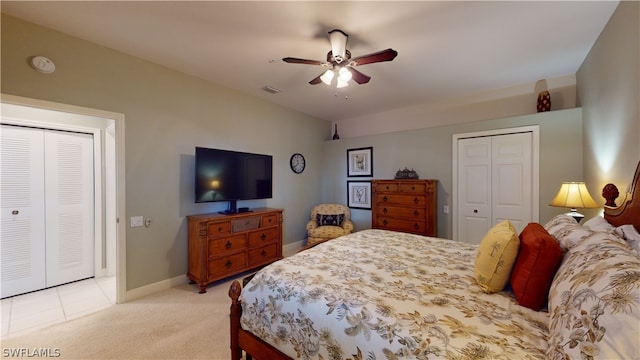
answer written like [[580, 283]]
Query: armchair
[[328, 221]]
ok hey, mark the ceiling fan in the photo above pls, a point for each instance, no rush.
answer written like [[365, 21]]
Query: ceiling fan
[[340, 63]]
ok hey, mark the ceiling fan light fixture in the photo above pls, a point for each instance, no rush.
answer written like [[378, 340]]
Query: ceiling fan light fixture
[[338, 40], [344, 74], [327, 77], [340, 64]]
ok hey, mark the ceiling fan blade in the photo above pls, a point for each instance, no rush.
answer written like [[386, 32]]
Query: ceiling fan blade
[[380, 56], [302, 61], [359, 77], [316, 80]]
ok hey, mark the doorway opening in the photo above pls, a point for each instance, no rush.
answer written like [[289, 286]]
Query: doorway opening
[[108, 129]]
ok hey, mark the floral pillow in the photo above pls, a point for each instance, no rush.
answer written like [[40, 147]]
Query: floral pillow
[[566, 231], [594, 301]]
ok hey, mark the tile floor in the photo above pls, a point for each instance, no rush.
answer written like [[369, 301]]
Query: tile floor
[[46, 307]]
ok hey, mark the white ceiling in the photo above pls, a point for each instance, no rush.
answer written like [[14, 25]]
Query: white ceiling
[[446, 49]]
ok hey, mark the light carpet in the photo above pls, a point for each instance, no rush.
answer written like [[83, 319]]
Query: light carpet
[[177, 323]]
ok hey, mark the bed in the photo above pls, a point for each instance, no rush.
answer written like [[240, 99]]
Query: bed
[[378, 294]]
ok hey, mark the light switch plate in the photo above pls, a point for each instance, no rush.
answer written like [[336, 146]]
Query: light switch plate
[[137, 221]]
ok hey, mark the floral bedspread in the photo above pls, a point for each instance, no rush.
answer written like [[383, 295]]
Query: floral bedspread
[[378, 294]]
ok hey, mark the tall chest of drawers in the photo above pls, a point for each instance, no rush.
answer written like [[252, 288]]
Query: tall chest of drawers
[[224, 245], [405, 205]]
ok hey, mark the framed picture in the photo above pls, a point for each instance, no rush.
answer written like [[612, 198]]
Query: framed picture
[[359, 194], [360, 162]]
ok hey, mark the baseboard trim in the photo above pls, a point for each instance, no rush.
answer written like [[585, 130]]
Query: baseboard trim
[[155, 287], [292, 248]]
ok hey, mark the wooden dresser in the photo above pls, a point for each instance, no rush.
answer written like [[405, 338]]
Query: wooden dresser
[[405, 205], [224, 245]]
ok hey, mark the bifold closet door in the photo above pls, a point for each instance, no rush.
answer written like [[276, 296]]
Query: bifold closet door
[[69, 206], [474, 188], [494, 183], [47, 202], [22, 237], [511, 180]]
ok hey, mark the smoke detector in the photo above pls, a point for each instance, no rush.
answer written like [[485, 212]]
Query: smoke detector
[[43, 64]]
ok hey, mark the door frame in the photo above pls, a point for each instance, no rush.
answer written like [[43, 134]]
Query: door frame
[[535, 162], [118, 195]]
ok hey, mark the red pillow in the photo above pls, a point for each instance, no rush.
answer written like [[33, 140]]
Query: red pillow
[[538, 260]]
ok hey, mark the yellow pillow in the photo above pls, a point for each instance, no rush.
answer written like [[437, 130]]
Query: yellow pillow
[[496, 255]]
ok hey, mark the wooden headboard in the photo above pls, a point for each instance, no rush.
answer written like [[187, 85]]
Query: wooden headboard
[[629, 211]]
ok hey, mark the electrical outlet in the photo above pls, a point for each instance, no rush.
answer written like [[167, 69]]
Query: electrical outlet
[[137, 221], [446, 209]]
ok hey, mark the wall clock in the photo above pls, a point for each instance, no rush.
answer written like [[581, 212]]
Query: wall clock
[[297, 163]]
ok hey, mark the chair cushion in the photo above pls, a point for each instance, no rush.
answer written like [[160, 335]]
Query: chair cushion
[[327, 232], [495, 257], [536, 265], [330, 219]]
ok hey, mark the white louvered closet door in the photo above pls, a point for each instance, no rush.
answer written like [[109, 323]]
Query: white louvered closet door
[[22, 237], [69, 206], [47, 202]]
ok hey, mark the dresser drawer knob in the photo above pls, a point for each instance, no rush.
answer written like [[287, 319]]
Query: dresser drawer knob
[[416, 213], [385, 210], [263, 237], [416, 226], [416, 200], [219, 228], [228, 264], [228, 244], [384, 199], [384, 222], [263, 253]]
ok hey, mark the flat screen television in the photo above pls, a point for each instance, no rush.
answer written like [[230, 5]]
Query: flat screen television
[[225, 175]]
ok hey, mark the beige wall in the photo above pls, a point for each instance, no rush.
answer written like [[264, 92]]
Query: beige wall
[[429, 152], [609, 91], [487, 105], [167, 114]]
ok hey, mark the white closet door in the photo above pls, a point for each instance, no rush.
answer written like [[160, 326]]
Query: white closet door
[[69, 206], [494, 183], [474, 188], [22, 238], [512, 186]]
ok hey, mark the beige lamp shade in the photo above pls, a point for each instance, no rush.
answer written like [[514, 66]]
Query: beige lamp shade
[[574, 195]]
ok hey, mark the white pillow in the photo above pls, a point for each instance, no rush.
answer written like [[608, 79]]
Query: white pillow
[[599, 223], [631, 235]]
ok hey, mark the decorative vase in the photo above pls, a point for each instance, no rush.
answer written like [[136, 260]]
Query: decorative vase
[[544, 101], [335, 134]]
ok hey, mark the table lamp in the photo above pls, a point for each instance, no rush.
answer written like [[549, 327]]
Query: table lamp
[[574, 195]]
